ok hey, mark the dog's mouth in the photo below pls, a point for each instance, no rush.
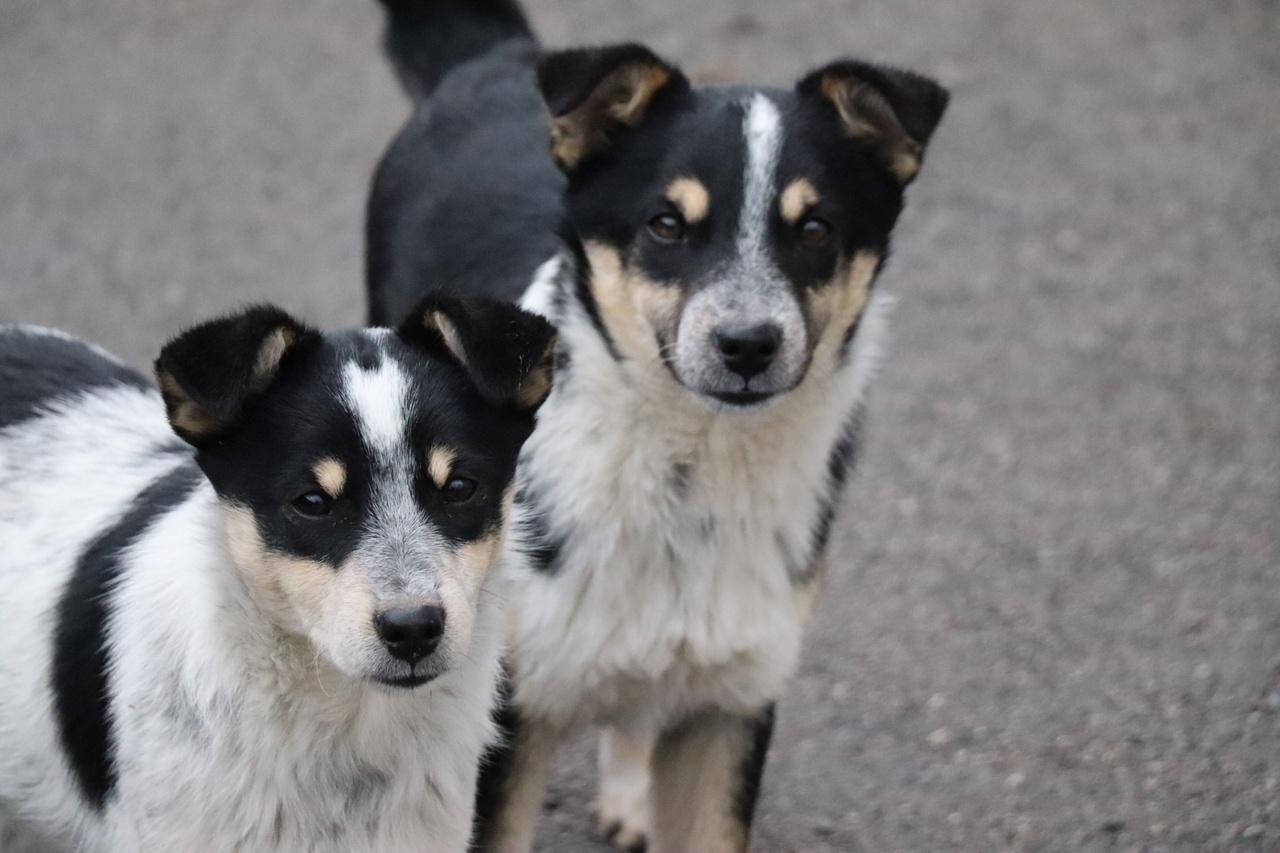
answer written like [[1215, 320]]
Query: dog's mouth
[[741, 399], [406, 682]]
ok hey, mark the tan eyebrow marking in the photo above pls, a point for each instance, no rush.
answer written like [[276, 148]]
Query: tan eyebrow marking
[[691, 197], [798, 197], [331, 475], [440, 463]]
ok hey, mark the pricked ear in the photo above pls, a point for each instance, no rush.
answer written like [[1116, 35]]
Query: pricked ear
[[895, 111], [208, 372], [506, 351], [597, 93]]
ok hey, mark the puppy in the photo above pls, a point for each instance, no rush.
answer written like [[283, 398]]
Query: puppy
[[709, 257], [267, 622]]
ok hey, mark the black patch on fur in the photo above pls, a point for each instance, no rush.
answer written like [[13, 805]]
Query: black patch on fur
[[840, 463], [37, 370], [846, 342], [541, 545], [81, 693], [497, 768], [582, 289], [751, 770], [563, 363], [679, 478]]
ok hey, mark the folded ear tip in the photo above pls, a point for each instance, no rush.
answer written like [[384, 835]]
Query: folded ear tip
[[207, 371], [566, 78], [917, 101]]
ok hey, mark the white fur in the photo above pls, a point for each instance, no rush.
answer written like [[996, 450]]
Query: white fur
[[231, 735], [762, 129], [662, 603], [376, 398]]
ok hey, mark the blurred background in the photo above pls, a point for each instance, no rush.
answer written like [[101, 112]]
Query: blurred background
[[1054, 620]]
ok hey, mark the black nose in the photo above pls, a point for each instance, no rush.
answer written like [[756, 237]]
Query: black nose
[[748, 350], [411, 633]]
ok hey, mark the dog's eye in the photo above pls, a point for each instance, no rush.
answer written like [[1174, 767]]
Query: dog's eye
[[458, 489], [313, 504], [814, 231], [667, 227]]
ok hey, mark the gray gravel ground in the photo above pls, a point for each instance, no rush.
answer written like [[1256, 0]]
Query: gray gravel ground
[[1055, 623]]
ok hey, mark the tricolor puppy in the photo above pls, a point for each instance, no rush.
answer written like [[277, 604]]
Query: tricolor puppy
[[277, 629], [708, 255]]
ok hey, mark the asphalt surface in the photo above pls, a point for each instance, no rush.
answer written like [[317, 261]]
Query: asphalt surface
[[1054, 623]]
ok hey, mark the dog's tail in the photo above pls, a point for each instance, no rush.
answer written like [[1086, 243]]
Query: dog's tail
[[424, 39]]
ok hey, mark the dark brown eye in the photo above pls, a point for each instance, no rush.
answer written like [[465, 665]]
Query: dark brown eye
[[458, 489], [313, 504], [814, 231], [667, 227]]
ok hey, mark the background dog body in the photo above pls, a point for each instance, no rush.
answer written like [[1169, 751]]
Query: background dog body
[[186, 665], [718, 331]]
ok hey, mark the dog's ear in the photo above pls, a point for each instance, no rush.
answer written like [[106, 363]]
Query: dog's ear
[[895, 111], [208, 372], [506, 351], [597, 93]]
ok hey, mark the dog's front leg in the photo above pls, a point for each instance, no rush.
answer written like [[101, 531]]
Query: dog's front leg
[[706, 774], [513, 781], [622, 811]]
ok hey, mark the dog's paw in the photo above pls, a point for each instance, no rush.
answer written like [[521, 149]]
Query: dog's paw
[[623, 833]]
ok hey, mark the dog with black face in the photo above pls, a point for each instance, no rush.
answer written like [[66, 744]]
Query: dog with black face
[[709, 256], [271, 621]]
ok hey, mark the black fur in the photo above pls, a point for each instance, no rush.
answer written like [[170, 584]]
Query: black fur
[[840, 464], [582, 290], [38, 370], [541, 544], [497, 371], [751, 770], [568, 77], [425, 39], [213, 366], [81, 663], [495, 776], [491, 216], [606, 90], [917, 101]]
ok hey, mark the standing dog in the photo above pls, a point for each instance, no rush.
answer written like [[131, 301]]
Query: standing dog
[[712, 258], [287, 640]]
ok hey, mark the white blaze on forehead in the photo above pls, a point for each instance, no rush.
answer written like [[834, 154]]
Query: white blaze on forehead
[[762, 129], [378, 399]]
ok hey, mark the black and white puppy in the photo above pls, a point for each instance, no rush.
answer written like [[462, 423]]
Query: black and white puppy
[[708, 255], [287, 639]]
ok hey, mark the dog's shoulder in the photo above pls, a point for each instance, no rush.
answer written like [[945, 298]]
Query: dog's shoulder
[[40, 366]]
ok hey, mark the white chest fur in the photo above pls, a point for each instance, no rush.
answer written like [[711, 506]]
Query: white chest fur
[[685, 570]]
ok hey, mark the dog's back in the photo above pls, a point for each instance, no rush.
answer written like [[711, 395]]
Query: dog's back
[[68, 414], [491, 215]]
